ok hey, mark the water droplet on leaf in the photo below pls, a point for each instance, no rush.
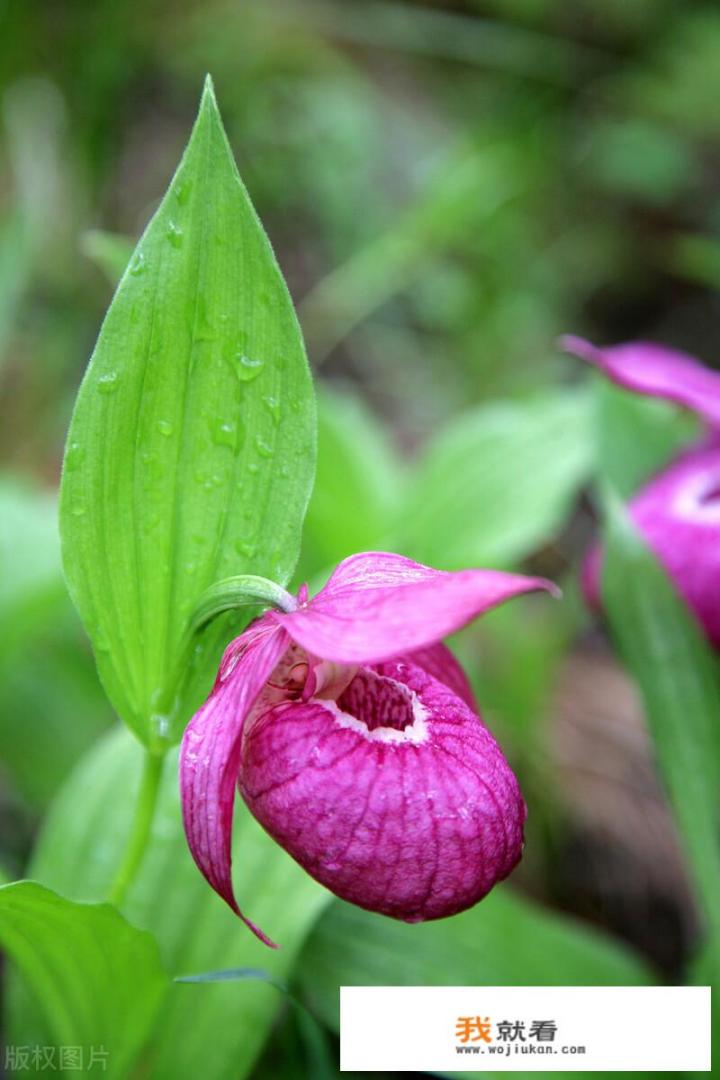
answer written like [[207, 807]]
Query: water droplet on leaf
[[182, 191], [174, 234], [224, 433], [246, 548], [264, 449], [246, 368], [73, 456], [273, 407], [160, 725], [107, 384], [138, 266]]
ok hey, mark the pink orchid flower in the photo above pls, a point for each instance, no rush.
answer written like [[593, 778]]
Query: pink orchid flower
[[354, 739], [678, 511]]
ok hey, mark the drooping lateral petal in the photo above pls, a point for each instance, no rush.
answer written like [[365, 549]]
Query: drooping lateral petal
[[378, 605], [653, 370], [210, 753]]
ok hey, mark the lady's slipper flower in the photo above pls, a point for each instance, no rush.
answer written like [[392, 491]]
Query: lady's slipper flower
[[678, 511], [354, 739]]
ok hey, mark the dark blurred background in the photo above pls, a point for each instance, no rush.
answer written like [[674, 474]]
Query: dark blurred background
[[448, 187]]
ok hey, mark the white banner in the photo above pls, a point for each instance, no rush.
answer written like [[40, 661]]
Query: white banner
[[524, 1028]]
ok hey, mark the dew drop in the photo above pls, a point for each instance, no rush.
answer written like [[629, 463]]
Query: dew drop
[[160, 725], [165, 428], [246, 368], [273, 407], [331, 866], [174, 234], [73, 456], [107, 384], [253, 467], [264, 449], [246, 548], [138, 266], [182, 191], [205, 329], [224, 433], [78, 509]]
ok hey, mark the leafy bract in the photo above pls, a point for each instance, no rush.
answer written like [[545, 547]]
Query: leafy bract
[[666, 652], [191, 451], [98, 981]]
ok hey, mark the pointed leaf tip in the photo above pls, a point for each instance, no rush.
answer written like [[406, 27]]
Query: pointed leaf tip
[[208, 98]]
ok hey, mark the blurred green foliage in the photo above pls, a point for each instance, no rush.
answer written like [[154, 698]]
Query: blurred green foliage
[[448, 186]]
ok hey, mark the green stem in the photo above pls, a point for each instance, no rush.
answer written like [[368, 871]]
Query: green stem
[[141, 826]]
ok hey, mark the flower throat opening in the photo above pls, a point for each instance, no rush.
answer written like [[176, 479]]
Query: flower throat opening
[[377, 701]]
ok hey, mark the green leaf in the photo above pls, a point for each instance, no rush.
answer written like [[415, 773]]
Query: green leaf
[[77, 854], [671, 661], [357, 485], [498, 482], [98, 980], [636, 436], [313, 1038], [191, 451], [504, 941]]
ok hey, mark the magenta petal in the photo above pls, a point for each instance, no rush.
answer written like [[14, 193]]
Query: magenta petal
[[439, 662], [210, 753], [397, 798], [678, 514], [377, 605], [656, 371]]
